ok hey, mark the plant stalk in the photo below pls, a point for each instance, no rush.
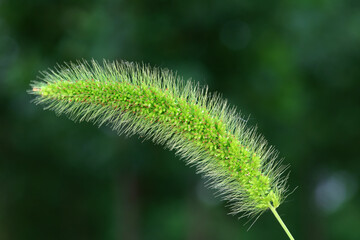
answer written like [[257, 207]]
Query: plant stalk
[[281, 222]]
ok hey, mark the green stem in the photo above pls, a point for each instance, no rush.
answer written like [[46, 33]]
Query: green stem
[[281, 222]]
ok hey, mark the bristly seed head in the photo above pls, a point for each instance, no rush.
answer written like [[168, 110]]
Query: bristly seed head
[[158, 105]]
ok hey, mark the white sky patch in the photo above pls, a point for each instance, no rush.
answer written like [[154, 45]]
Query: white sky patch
[[333, 190]]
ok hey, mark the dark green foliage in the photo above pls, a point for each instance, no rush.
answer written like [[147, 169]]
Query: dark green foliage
[[296, 70]]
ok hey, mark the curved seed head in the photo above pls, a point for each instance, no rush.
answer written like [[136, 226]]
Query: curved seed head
[[155, 103]]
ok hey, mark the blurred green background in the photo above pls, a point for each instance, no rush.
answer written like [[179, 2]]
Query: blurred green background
[[294, 66]]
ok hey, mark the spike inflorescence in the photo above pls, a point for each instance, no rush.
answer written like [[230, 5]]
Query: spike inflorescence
[[156, 104]]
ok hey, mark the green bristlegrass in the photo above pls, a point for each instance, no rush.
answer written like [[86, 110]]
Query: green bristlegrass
[[156, 104]]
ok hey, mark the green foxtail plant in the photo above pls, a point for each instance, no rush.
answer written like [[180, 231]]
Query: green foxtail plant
[[157, 104]]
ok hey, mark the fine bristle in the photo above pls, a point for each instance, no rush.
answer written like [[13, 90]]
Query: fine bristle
[[157, 104]]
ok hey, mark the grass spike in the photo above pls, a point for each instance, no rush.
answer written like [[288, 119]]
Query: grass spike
[[156, 104]]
